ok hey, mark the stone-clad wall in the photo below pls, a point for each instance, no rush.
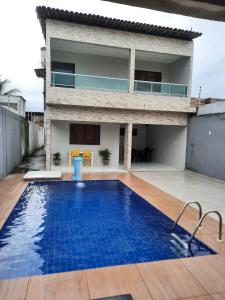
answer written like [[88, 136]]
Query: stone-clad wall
[[120, 116], [96, 98], [117, 38]]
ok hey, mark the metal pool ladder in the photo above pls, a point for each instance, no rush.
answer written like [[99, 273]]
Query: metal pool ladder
[[183, 209], [200, 222]]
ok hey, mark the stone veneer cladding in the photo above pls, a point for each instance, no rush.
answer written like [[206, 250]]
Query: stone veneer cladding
[[104, 115]]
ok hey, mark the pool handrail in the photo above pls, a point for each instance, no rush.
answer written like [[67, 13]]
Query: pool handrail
[[200, 222], [183, 209]]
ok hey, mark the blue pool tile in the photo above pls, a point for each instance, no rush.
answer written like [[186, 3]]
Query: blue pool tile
[[57, 227]]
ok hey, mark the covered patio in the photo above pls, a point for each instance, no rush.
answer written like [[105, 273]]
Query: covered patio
[[69, 137], [155, 147]]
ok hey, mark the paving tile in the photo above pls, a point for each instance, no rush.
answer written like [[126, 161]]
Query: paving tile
[[113, 281], [13, 289], [211, 241], [71, 285], [209, 271], [208, 297], [169, 280], [218, 297]]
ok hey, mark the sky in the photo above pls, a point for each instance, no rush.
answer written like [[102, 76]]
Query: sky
[[21, 40]]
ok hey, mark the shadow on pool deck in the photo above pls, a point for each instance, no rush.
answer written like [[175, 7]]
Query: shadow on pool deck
[[35, 162]]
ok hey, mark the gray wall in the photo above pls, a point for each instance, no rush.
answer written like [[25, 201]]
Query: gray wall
[[18, 138], [206, 145], [10, 141]]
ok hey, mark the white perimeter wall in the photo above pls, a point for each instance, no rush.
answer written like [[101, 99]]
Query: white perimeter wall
[[169, 143], [36, 136], [109, 138]]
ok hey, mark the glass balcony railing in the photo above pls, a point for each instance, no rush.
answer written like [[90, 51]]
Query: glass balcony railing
[[167, 89], [116, 84], [88, 81]]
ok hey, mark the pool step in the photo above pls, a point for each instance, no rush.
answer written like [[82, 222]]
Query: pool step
[[178, 250], [181, 242]]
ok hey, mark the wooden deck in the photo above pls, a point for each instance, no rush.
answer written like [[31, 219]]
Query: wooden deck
[[199, 278]]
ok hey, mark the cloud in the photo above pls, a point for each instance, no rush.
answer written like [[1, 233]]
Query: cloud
[[21, 39]]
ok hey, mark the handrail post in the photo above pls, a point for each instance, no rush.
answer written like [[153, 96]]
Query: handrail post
[[53, 78]]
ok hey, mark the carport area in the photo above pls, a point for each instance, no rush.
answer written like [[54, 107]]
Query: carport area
[[156, 147]]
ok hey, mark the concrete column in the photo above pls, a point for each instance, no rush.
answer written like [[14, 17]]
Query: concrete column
[[128, 146], [48, 60], [48, 144], [131, 70]]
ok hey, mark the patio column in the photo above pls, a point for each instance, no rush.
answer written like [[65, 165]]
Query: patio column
[[48, 142], [128, 146], [131, 70]]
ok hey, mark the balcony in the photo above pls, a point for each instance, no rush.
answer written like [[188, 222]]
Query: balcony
[[89, 82], [79, 81], [162, 88]]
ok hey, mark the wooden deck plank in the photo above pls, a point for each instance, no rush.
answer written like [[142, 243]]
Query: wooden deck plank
[[13, 289], [114, 281], [170, 279], [209, 271], [62, 286]]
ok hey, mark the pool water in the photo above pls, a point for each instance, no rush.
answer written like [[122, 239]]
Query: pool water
[[58, 227]]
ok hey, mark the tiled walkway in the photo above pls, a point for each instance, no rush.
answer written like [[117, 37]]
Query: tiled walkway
[[189, 186], [200, 278]]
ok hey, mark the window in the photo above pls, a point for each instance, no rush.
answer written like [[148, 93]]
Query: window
[[59, 75], [83, 134], [148, 76]]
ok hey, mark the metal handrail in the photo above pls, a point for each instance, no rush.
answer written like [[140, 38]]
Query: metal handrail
[[183, 209], [161, 82], [200, 222]]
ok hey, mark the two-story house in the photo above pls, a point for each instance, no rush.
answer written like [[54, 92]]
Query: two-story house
[[115, 84]]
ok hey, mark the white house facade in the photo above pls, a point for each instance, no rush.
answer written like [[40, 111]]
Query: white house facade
[[115, 84]]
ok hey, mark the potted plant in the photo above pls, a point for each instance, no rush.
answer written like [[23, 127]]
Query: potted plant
[[105, 155], [57, 158]]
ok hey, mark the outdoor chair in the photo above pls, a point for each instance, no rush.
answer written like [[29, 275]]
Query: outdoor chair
[[74, 153], [87, 156]]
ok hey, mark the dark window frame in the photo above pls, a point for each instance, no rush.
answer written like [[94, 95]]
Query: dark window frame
[[87, 134], [55, 67], [147, 74]]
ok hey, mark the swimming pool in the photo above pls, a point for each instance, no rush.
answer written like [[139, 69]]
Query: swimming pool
[[58, 227]]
